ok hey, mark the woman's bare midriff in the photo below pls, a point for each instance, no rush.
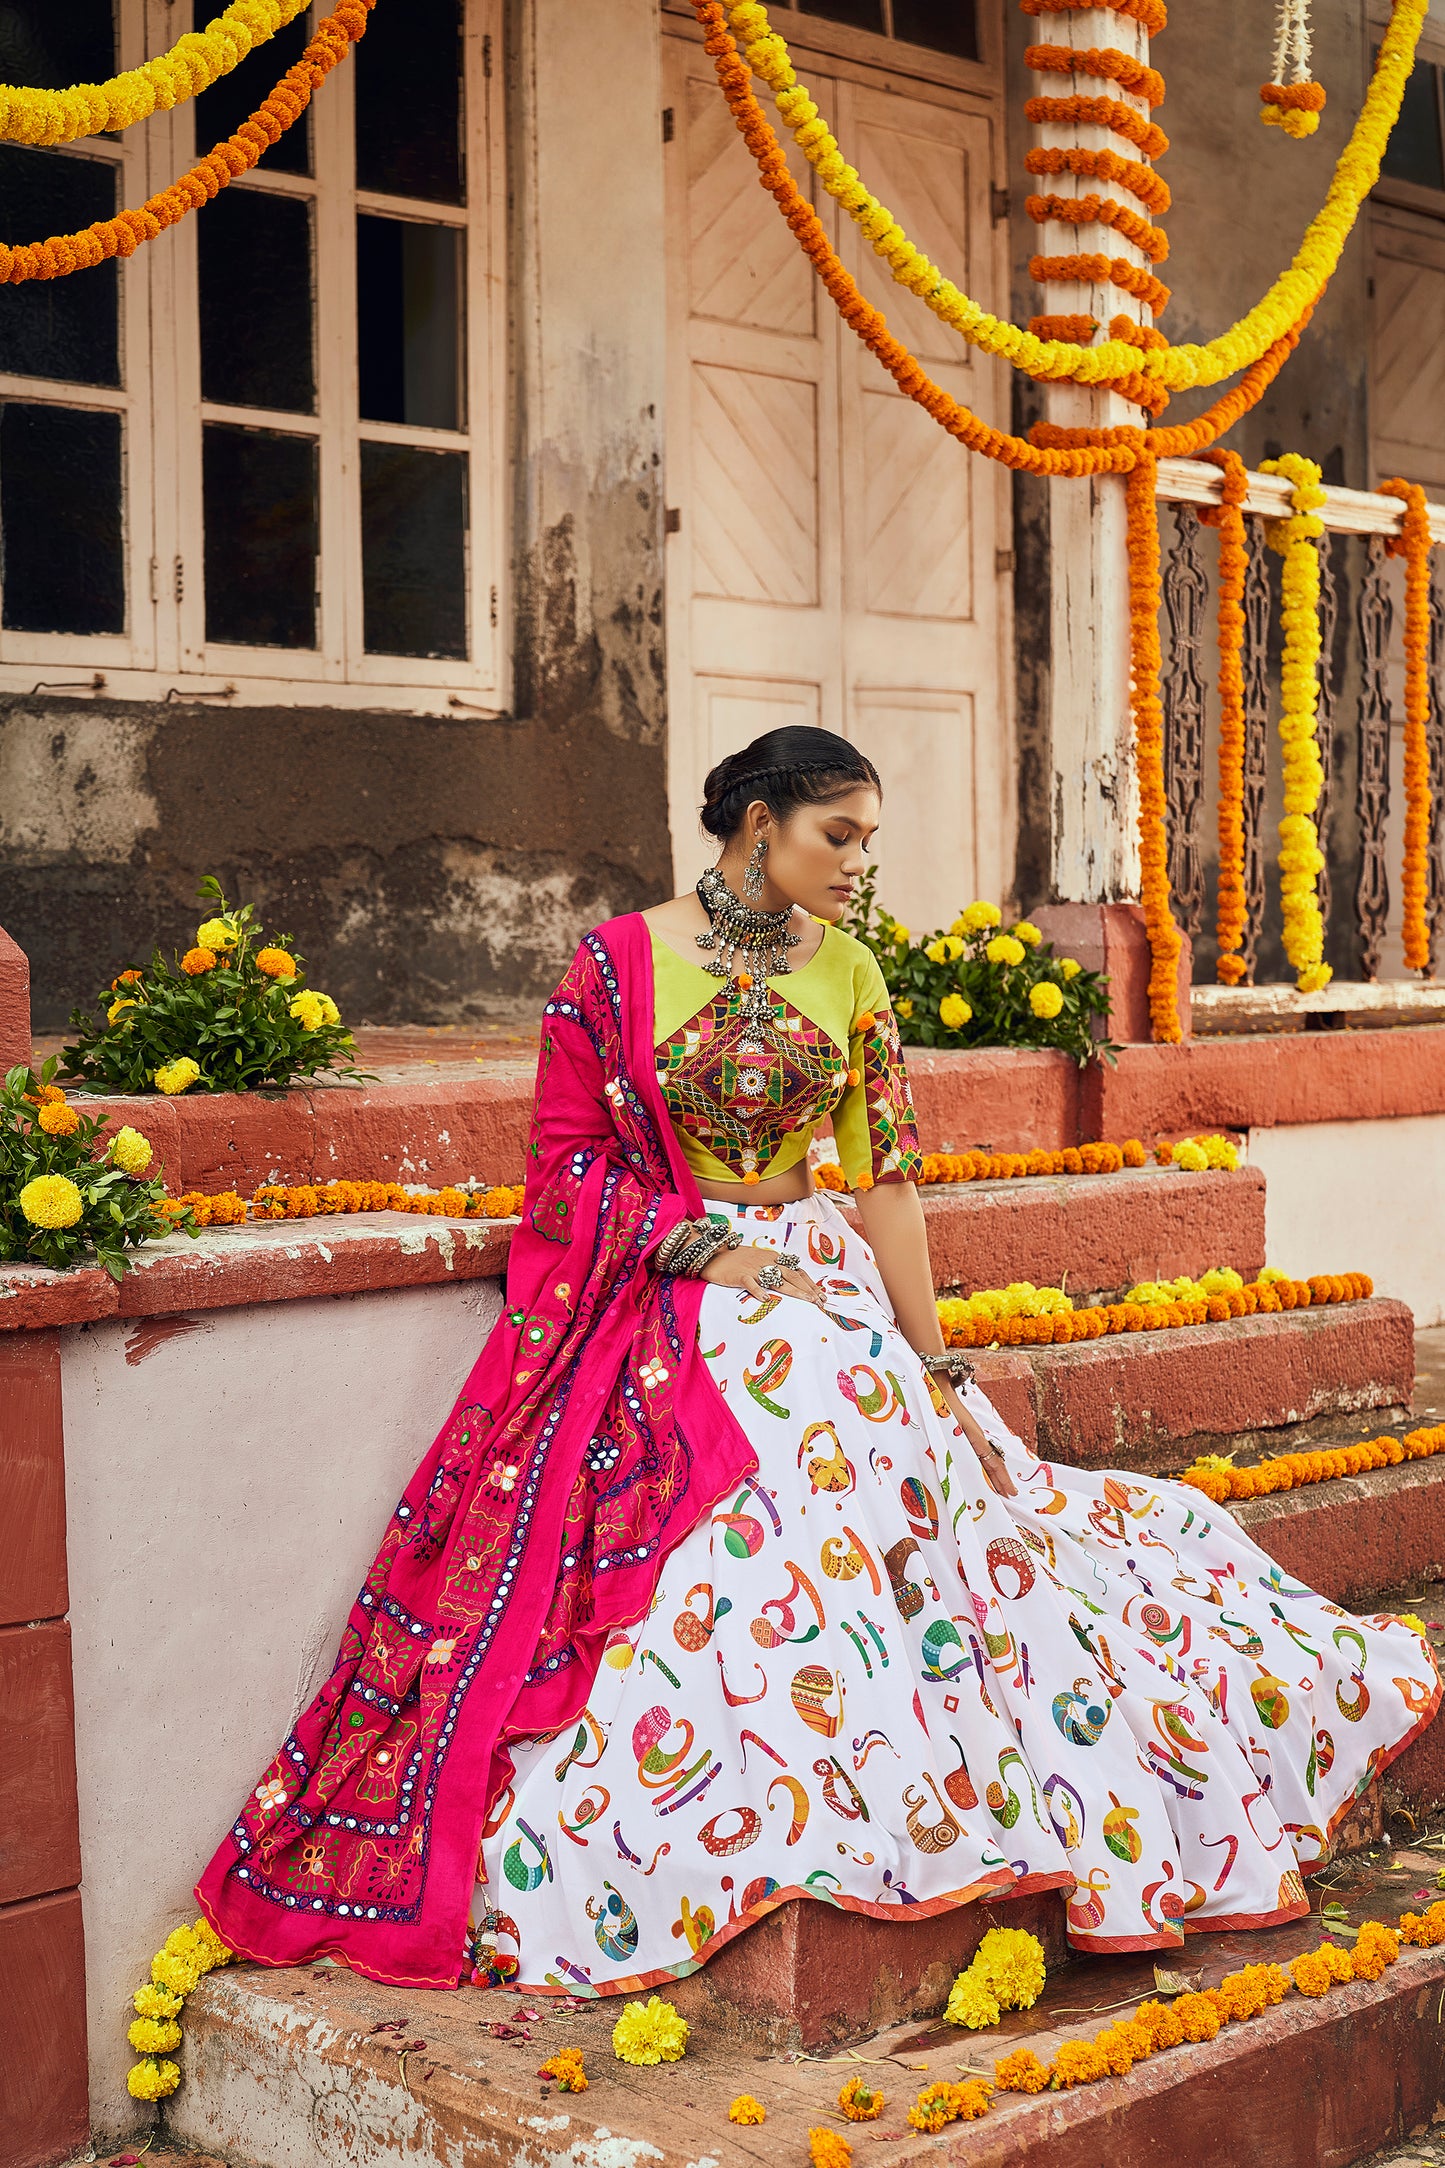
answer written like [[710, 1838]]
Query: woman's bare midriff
[[786, 1188]]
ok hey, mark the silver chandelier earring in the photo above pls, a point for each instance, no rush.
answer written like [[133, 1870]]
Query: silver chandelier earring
[[753, 872]]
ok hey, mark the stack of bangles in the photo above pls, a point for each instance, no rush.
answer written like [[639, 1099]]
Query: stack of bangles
[[952, 1363], [692, 1244]]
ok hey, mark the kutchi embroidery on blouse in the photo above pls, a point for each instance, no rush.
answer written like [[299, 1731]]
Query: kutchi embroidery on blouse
[[740, 1092]]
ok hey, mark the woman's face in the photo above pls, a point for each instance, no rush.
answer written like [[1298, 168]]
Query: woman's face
[[815, 858]]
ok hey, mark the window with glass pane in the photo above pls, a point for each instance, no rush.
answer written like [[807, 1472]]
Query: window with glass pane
[[262, 537], [1414, 151], [944, 26], [409, 115], [61, 529], [64, 328], [221, 109], [409, 319], [413, 539], [254, 249], [51, 45]]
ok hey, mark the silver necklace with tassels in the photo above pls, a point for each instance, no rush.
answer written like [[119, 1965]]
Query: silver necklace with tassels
[[757, 942]]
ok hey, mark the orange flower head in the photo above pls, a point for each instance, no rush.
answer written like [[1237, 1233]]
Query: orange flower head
[[277, 963], [198, 961], [57, 1119]]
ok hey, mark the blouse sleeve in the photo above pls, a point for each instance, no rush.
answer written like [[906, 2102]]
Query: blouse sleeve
[[873, 1123]]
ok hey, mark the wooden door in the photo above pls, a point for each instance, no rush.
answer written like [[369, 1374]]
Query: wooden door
[[836, 558]]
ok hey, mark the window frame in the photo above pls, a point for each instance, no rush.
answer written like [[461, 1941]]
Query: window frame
[[164, 651]]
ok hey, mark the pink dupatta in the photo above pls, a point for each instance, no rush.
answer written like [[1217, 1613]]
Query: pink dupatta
[[587, 1441]]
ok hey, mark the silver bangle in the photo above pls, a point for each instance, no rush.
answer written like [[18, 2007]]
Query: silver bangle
[[952, 1363]]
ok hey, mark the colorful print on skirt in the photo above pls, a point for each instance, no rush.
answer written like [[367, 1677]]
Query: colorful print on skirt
[[870, 1680]]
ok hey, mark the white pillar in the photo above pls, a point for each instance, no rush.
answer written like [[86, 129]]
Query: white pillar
[[1094, 795]]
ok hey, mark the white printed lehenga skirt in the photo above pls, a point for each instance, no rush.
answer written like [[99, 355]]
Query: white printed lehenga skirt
[[870, 1680]]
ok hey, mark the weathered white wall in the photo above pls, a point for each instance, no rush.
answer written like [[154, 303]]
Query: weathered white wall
[[226, 1486], [1360, 1197]]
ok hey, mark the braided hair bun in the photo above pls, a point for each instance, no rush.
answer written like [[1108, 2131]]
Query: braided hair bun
[[786, 769]]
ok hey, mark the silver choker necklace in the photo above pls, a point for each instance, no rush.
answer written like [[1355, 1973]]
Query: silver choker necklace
[[753, 942]]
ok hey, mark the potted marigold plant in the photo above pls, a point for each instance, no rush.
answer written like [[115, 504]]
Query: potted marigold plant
[[232, 1014], [67, 1195], [980, 983]]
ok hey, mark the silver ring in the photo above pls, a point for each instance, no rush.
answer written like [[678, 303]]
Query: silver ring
[[788, 1261], [771, 1277]]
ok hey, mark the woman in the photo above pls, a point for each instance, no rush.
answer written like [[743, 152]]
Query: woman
[[725, 1585]]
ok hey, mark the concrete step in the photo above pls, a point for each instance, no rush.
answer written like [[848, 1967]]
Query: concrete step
[[1151, 1401], [293, 2070], [1094, 1232]]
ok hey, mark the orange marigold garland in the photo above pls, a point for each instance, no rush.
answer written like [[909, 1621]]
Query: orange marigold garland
[[1413, 544], [123, 234], [1151, 13], [1289, 1471], [1106, 62], [320, 1200], [1150, 187], [1093, 210], [1079, 110], [1148, 711], [1231, 914]]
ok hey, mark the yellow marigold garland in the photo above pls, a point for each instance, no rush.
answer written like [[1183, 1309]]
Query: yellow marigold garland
[[1413, 544], [186, 1956], [1027, 1316], [1232, 908], [193, 63], [1297, 540], [123, 234], [1177, 367], [1222, 1482]]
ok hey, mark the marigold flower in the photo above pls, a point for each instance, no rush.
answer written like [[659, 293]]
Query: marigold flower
[[307, 1010], [978, 918], [330, 1014], [827, 2149], [566, 2067], [277, 963], [953, 1012], [58, 1119], [51, 1201], [945, 2103], [218, 935], [1026, 932], [117, 1009], [1070, 967], [1046, 1000], [1010, 1959], [1078, 2062], [198, 961], [1191, 1157], [945, 950], [127, 978], [153, 2079], [1004, 949], [1376, 1948], [971, 2001], [649, 2032], [747, 2110], [1021, 2072], [903, 1007], [861, 2102], [130, 1151], [901, 935], [1198, 2016], [176, 1076], [154, 2036], [151, 2001]]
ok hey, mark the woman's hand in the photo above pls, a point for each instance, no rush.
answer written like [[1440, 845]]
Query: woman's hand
[[990, 1459], [741, 1267]]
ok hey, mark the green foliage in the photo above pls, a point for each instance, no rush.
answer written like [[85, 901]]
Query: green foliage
[[116, 1209], [933, 979], [228, 1013]]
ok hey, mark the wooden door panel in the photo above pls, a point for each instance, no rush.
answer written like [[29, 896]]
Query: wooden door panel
[[755, 478], [744, 267], [926, 183], [917, 514]]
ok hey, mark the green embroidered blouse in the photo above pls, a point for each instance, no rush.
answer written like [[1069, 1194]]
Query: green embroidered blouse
[[744, 1110]]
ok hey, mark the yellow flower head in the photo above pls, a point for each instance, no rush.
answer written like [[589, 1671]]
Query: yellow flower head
[[152, 2001], [152, 2079], [330, 1014], [217, 935], [58, 1119], [945, 950], [177, 1076], [154, 2036], [971, 2002], [1410, 1619], [1046, 1000], [1004, 949], [130, 1151], [862, 2102], [198, 961], [903, 1007], [977, 918], [1026, 932], [747, 2110], [1070, 966], [113, 1013], [1192, 1157], [277, 963], [1012, 1962], [954, 1012], [901, 935], [649, 2032], [51, 1200], [308, 1011]]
